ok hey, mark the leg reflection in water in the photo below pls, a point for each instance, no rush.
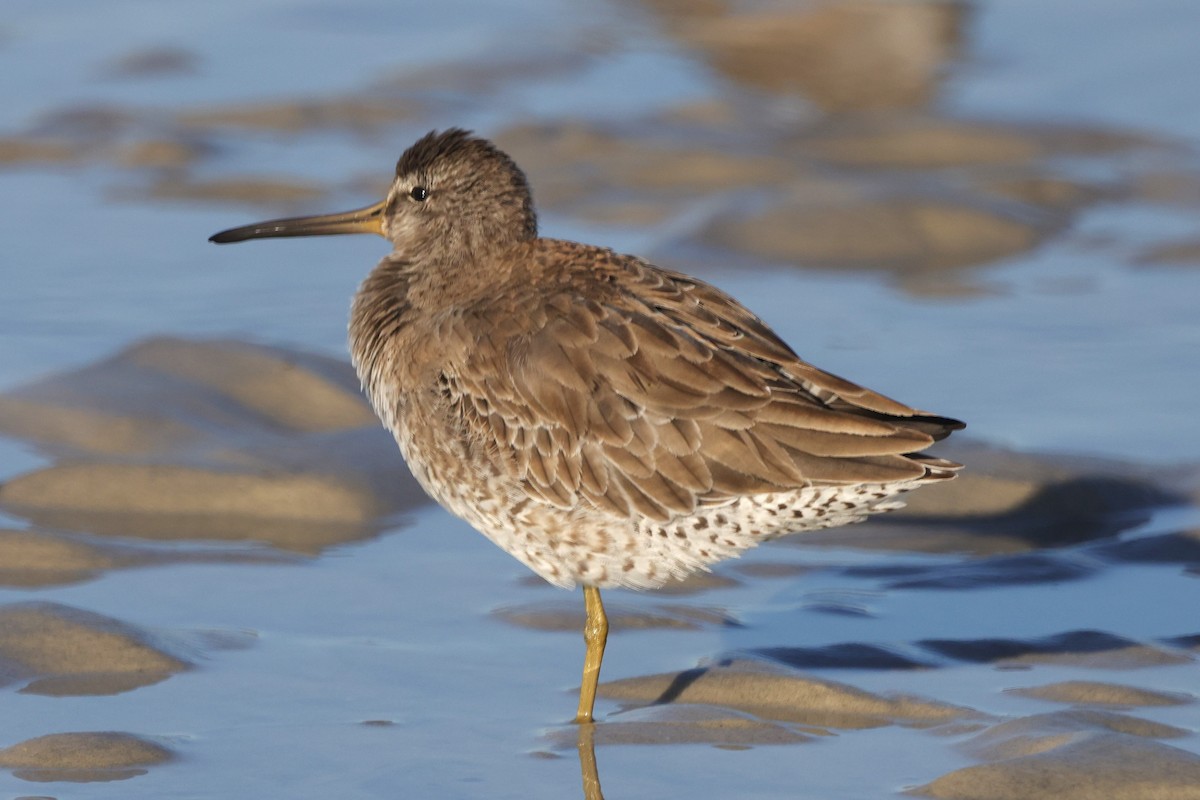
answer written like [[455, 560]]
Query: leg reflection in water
[[587, 762]]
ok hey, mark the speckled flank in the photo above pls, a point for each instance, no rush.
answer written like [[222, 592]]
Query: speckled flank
[[585, 546]]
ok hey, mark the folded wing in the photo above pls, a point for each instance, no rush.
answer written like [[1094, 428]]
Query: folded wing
[[657, 395]]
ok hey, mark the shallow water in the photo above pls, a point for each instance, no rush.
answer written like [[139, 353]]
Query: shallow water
[[381, 667]]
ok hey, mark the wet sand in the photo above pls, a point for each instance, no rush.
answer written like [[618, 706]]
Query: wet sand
[[217, 573]]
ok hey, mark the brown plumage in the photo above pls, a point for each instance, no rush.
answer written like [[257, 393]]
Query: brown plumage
[[606, 421]]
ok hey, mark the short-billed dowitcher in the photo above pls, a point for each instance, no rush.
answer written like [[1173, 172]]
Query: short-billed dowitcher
[[605, 421]]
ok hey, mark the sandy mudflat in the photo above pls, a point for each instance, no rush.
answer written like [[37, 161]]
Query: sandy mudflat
[[228, 453]]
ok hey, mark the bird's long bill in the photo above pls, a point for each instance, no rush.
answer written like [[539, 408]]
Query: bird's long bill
[[361, 220]]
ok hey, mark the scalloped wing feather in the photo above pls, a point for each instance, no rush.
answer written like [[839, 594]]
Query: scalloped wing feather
[[655, 394]]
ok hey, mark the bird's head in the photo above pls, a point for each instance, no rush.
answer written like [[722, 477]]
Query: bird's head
[[453, 195]]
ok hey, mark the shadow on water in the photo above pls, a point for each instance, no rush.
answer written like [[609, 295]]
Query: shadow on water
[[1065, 512], [679, 685], [1085, 647]]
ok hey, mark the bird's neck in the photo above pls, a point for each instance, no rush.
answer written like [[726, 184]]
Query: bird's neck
[[396, 313], [381, 318]]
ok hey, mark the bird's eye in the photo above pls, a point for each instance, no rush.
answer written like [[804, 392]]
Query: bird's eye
[[419, 193]]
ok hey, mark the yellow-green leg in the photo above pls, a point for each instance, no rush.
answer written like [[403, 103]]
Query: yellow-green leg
[[595, 635]]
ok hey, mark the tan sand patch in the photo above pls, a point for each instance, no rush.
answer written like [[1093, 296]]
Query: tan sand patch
[[1040, 733], [1102, 694], [788, 697], [1099, 765], [901, 233], [928, 142], [162, 489], [30, 558], [857, 55], [299, 536], [68, 651], [20, 150], [299, 391], [39, 557], [91, 429], [922, 142], [83, 757]]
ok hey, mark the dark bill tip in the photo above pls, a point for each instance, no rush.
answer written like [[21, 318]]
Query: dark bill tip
[[240, 234]]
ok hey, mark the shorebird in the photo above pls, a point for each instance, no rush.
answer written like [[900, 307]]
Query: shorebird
[[605, 421]]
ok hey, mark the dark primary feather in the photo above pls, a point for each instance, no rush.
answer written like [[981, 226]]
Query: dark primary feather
[[653, 394]]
